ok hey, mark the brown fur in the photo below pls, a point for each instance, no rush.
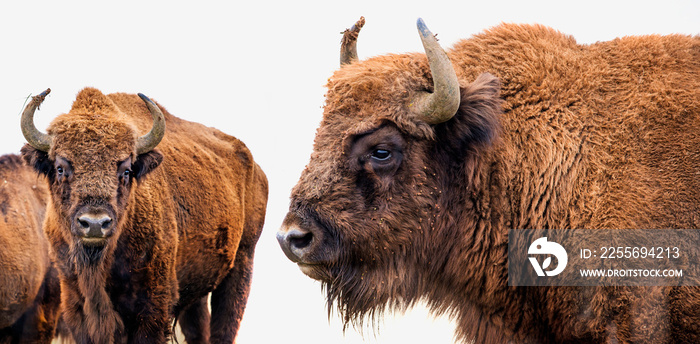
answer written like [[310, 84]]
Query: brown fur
[[184, 229], [29, 288], [582, 136]]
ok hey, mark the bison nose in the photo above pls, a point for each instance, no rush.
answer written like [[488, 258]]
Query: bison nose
[[95, 225], [295, 243]]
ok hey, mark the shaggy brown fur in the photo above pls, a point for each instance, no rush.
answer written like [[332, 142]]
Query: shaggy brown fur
[[184, 228], [582, 136], [29, 288]]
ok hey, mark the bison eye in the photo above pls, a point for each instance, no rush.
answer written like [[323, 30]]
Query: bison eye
[[378, 153], [124, 171], [126, 174], [381, 155], [63, 169]]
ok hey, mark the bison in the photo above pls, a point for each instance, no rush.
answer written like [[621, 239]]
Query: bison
[[423, 162], [29, 287], [142, 235]]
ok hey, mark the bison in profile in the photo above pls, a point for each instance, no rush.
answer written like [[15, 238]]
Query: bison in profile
[[29, 287], [142, 235], [422, 162]]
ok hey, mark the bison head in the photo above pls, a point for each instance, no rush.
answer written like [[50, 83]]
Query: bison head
[[395, 153], [92, 158]]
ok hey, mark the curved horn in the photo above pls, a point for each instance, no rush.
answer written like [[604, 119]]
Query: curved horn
[[443, 103], [147, 142], [348, 45], [34, 137]]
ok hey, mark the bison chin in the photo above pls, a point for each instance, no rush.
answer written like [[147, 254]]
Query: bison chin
[[97, 243], [92, 253], [361, 293], [317, 272], [88, 251]]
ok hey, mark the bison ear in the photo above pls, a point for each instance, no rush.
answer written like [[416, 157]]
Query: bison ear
[[477, 121], [39, 160], [145, 163]]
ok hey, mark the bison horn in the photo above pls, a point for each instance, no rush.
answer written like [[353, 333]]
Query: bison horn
[[36, 138], [443, 103], [348, 45], [147, 142]]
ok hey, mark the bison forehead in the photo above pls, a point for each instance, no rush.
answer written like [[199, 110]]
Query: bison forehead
[[92, 136], [376, 90]]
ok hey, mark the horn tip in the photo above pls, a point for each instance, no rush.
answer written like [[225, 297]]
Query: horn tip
[[359, 24], [422, 28], [144, 98], [39, 98]]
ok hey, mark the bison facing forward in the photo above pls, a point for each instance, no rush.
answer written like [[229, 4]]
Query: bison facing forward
[[142, 235], [422, 164], [29, 287]]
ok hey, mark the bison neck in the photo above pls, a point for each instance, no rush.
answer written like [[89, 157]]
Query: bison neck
[[498, 195]]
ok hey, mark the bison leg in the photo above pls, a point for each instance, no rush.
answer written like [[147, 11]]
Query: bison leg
[[194, 322], [228, 300]]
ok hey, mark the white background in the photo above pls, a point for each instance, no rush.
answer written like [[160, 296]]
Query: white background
[[256, 70]]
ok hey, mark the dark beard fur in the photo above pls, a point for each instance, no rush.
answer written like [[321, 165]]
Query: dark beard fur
[[98, 322], [361, 294], [89, 254]]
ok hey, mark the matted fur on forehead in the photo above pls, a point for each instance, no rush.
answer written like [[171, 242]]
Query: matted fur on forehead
[[366, 93], [94, 127]]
